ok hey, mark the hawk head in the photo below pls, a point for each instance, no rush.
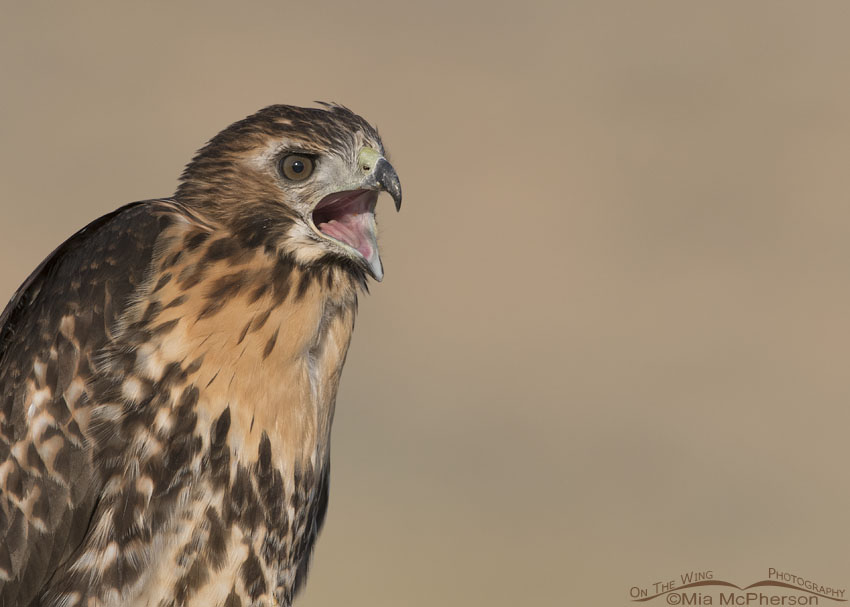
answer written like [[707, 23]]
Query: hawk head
[[302, 182]]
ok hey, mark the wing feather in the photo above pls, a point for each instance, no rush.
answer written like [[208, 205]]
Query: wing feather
[[50, 335]]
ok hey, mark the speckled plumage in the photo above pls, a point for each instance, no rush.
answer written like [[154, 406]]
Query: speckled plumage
[[168, 379]]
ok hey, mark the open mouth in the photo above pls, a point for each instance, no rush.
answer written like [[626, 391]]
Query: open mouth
[[349, 218]]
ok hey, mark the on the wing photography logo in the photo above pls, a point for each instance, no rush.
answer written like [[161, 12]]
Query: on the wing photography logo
[[704, 588]]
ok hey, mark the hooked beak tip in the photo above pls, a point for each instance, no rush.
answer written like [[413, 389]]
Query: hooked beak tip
[[388, 179]]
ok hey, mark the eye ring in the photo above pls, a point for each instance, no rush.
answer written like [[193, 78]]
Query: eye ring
[[296, 167]]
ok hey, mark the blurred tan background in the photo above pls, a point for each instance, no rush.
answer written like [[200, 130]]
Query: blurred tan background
[[612, 341]]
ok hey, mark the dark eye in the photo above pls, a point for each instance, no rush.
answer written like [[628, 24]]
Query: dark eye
[[296, 167]]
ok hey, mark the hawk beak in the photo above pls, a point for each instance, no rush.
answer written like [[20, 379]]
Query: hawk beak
[[380, 174], [348, 217], [383, 177], [386, 178]]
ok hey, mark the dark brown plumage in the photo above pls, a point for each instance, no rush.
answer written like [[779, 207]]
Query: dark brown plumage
[[168, 375]]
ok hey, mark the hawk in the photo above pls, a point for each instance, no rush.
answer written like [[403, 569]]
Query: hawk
[[168, 375]]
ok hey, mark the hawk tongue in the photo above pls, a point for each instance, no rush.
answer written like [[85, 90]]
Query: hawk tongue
[[357, 230]]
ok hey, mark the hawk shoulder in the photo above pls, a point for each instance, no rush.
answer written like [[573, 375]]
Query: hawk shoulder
[[50, 335]]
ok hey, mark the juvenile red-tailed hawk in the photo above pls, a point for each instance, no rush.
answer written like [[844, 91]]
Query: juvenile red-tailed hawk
[[168, 375]]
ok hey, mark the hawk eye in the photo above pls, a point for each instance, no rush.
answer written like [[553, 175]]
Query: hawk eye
[[296, 167]]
